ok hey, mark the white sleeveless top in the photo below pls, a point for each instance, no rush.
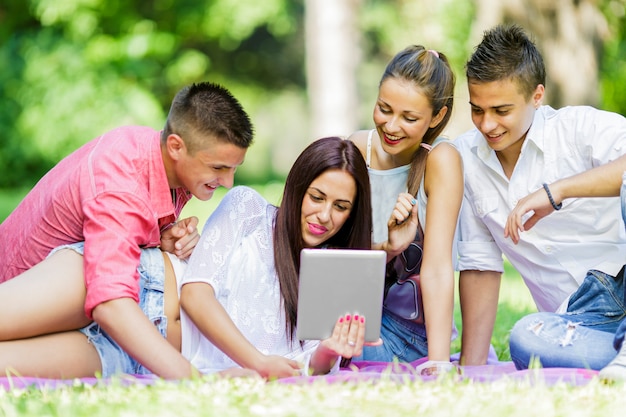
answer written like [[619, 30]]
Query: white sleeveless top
[[386, 185]]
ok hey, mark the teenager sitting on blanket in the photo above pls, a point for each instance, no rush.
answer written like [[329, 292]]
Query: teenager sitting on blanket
[[239, 291], [572, 261], [118, 193], [411, 166]]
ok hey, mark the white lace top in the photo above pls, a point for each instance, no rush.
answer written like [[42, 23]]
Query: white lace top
[[235, 256]]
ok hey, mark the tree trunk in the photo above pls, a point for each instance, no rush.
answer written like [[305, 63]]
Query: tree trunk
[[332, 56]]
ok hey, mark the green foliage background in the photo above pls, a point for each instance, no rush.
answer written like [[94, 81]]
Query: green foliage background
[[613, 65], [74, 69]]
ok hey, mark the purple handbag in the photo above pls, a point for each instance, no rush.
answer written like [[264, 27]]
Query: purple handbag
[[403, 296]]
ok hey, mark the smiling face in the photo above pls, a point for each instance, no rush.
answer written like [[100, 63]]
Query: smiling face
[[402, 116], [503, 114], [205, 170], [326, 206]]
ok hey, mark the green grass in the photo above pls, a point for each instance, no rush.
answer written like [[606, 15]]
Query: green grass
[[252, 397]]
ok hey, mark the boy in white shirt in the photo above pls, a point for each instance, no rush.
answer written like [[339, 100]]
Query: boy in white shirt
[[572, 261]]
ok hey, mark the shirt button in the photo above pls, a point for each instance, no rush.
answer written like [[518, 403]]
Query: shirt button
[[549, 249]]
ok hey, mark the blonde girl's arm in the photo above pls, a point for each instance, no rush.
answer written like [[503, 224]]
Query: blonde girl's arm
[[443, 184]]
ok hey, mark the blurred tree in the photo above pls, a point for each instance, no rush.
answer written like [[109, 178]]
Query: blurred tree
[[613, 66], [570, 34], [332, 56], [74, 69]]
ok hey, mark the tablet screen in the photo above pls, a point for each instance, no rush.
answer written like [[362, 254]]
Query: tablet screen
[[336, 282]]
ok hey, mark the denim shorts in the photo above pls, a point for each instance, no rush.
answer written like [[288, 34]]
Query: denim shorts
[[151, 287]]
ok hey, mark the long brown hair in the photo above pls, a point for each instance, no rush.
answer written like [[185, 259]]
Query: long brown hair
[[317, 158], [430, 72]]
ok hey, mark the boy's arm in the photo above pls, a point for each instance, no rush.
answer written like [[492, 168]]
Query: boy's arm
[[198, 300], [602, 181], [479, 292], [124, 321]]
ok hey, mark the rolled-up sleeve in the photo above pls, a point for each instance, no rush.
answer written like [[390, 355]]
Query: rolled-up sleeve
[[477, 249]]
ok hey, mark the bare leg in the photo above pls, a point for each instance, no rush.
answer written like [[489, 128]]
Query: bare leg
[[48, 298], [61, 356]]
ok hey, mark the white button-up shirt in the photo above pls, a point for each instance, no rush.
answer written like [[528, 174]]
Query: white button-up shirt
[[587, 233]]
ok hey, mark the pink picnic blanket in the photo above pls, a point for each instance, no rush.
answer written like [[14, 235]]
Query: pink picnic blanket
[[400, 372], [358, 371]]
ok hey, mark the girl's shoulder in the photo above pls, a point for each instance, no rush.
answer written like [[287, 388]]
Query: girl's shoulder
[[444, 161], [244, 198], [443, 148], [360, 139]]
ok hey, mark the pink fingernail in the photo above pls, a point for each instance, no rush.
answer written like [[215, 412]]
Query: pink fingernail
[[356, 317], [362, 319], [340, 319], [348, 317]]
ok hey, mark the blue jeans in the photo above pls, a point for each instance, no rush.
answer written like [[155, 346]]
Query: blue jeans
[[402, 340], [588, 335], [580, 338], [621, 330]]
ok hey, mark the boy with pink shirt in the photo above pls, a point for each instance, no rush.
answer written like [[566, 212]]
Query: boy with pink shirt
[[118, 193]]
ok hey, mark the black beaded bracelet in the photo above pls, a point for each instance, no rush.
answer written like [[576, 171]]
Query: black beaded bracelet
[[556, 206]]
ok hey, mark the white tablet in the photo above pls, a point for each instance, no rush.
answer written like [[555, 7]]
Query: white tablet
[[336, 282]]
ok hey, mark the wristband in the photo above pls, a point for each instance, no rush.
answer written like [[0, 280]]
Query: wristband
[[554, 205]]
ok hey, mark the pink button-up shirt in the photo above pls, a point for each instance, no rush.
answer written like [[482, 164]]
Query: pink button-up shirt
[[113, 194]]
